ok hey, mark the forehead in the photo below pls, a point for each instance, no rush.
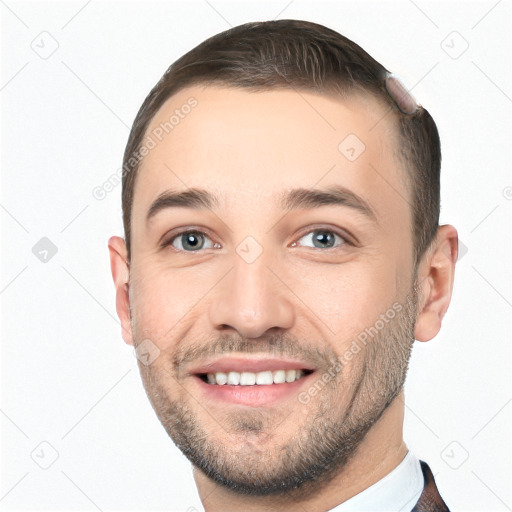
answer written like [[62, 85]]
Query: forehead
[[246, 146]]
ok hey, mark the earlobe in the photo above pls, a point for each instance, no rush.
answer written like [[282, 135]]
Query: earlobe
[[120, 269], [436, 275]]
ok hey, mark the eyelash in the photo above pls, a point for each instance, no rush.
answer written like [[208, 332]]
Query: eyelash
[[345, 239]]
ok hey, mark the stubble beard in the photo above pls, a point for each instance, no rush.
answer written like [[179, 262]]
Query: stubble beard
[[323, 444]]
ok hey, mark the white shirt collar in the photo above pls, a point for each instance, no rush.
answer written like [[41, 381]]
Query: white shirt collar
[[398, 491]]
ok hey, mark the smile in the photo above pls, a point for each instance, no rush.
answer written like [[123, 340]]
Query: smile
[[263, 378], [254, 381]]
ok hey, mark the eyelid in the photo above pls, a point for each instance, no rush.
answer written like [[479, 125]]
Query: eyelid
[[170, 236], [174, 233], [343, 233]]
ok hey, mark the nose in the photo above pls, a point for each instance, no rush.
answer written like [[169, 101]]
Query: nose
[[252, 300]]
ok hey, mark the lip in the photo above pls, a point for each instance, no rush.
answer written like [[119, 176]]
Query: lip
[[252, 396], [253, 364]]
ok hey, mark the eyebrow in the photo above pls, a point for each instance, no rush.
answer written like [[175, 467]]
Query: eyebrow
[[196, 198], [295, 199], [335, 195]]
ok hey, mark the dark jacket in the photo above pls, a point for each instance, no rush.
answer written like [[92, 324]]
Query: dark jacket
[[430, 499]]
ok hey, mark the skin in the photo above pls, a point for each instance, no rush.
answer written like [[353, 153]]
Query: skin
[[247, 148]]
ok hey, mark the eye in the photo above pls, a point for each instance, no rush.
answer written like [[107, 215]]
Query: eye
[[191, 241], [321, 239]]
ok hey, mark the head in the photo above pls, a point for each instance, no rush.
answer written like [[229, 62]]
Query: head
[[280, 208]]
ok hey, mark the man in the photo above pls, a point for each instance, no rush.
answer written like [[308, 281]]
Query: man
[[282, 253]]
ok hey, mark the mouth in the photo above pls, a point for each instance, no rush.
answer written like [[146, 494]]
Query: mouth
[[251, 382], [263, 378]]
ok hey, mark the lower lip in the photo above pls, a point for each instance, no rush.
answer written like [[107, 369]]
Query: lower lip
[[254, 396]]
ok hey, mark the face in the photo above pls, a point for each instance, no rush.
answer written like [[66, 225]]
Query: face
[[273, 286]]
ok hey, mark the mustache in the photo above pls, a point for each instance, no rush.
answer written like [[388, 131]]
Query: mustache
[[275, 345]]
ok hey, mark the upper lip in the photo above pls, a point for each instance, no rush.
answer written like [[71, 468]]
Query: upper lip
[[247, 364]]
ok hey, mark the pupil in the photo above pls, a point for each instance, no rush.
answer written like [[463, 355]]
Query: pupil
[[193, 241], [323, 239]]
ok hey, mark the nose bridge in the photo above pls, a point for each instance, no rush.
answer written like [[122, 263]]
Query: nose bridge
[[251, 299]]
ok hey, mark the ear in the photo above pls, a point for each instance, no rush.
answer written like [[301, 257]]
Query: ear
[[120, 273], [436, 273]]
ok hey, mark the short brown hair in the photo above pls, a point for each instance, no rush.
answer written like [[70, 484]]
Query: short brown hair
[[294, 54]]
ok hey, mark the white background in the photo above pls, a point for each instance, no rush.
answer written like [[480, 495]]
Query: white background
[[68, 379]]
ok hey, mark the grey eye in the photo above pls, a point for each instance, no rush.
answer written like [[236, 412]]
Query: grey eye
[[321, 239], [192, 241]]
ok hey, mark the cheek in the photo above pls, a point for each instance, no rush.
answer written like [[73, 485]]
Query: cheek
[[346, 298], [159, 300], [167, 301]]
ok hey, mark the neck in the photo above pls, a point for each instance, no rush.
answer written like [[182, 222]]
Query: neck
[[381, 451]]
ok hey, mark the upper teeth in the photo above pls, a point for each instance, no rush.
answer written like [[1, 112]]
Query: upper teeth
[[250, 378]]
